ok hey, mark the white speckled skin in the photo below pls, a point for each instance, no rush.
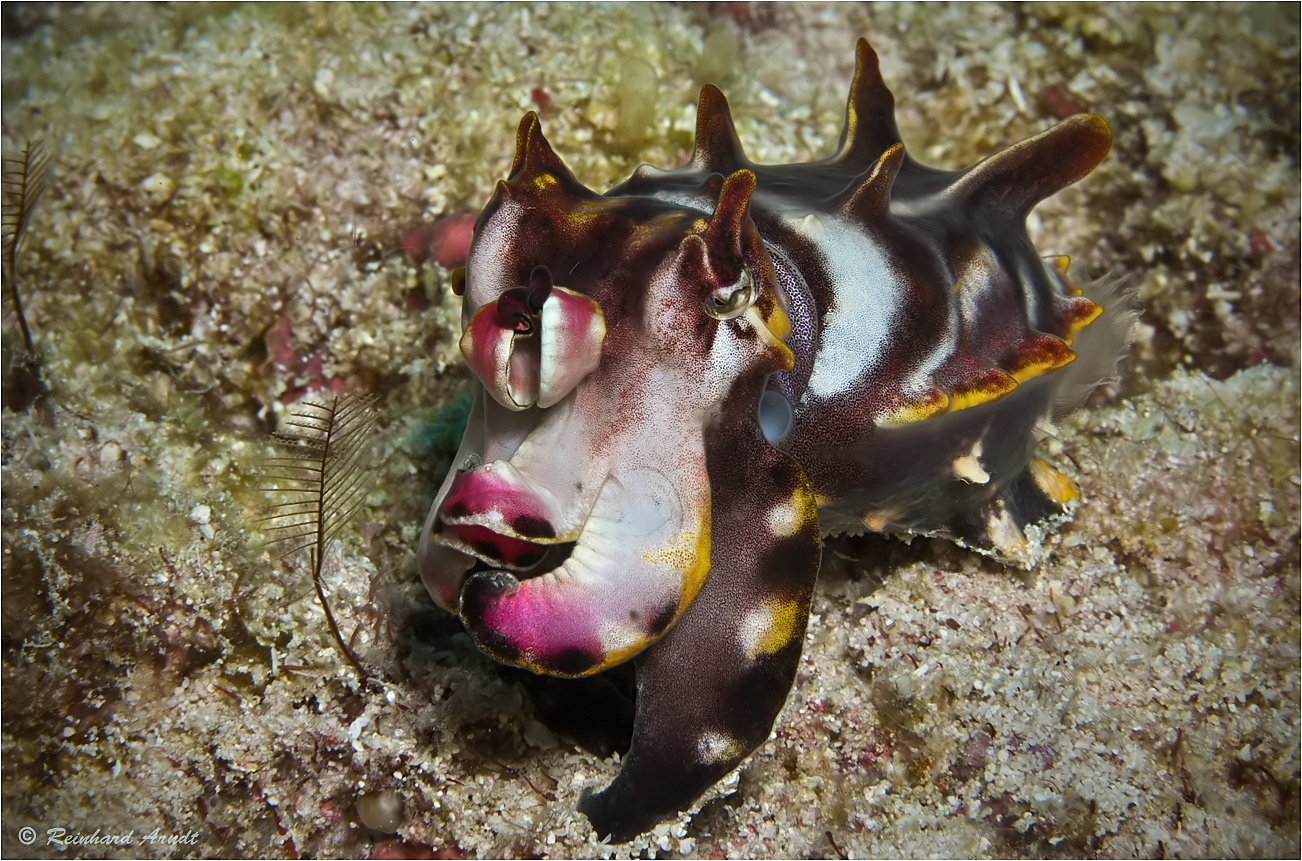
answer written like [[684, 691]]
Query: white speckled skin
[[895, 323]]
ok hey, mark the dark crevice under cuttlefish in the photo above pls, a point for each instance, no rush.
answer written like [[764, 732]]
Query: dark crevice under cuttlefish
[[685, 381]]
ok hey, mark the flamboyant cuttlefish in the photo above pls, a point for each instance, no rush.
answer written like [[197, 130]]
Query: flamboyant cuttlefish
[[684, 380]]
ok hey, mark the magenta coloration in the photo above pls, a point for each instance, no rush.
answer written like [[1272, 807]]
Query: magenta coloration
[[686, 381]]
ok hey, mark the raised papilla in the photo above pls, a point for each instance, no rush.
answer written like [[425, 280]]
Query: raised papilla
[[684, 382]]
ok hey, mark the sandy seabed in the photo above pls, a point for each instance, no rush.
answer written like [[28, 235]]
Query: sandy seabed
[[229, 192]]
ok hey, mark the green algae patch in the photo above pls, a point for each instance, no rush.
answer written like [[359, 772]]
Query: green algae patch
[[228, 182]]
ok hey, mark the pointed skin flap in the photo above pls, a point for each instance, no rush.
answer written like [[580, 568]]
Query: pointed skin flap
[[718, 150], [538, 166], [870, 127], [731, 213], [870, 198], [1013, 181]]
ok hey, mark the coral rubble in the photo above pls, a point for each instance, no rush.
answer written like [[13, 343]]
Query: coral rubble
[[223, 235]]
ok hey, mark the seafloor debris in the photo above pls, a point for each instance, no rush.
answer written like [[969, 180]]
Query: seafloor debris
[[1140, 691], [320, 479], [24, 182]]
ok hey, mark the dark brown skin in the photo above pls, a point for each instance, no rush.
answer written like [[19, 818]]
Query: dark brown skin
[[856, 343]]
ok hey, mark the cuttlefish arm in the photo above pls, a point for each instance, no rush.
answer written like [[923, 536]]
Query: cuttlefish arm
[[638, 562], [709, 691]]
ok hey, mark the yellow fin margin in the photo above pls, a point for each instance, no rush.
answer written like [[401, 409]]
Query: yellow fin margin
[[1054, 484], [988, 387], [1039, 356], [926, 405]]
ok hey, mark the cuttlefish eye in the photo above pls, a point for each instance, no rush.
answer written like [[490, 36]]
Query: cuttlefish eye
[[732, 300]]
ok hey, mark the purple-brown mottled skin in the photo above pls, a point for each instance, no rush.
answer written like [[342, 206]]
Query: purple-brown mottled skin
[[685, 380]]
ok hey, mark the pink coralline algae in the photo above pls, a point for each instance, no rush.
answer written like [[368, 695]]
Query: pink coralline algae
[[304, 373], [445, 242]]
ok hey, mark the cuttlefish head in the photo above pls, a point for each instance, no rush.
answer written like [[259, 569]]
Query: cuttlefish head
[[605, 334]]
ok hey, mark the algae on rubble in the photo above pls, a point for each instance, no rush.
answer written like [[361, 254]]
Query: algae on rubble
[[222, 236]]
